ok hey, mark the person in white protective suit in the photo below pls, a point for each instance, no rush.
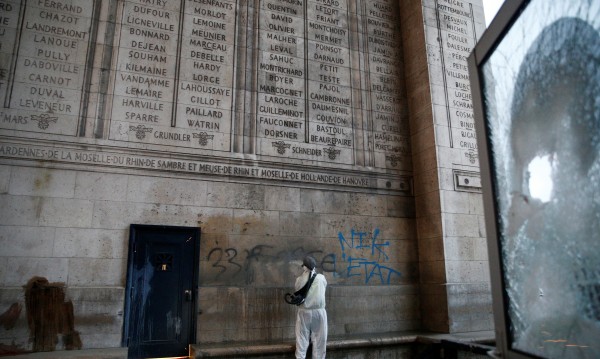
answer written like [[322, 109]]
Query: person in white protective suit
[[311, 319]]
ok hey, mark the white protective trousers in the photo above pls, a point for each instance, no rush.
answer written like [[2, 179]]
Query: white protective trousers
[[311, 325]]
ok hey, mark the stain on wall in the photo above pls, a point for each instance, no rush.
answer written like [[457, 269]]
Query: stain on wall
[[49, 315], [10, 316], [8, 319]]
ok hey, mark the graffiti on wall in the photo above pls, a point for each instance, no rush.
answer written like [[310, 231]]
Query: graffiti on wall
[[262, 264], [365, 257], [362, 257]]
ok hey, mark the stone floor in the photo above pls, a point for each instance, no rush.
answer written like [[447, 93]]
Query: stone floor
[[281, 349]]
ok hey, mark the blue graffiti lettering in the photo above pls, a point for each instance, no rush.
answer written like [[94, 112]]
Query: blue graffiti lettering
[[362, 244], [370, 268]]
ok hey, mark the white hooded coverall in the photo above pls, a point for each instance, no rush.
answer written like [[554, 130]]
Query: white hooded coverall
[[311, 320]]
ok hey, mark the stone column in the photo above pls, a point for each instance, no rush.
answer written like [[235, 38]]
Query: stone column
[[438, 36]]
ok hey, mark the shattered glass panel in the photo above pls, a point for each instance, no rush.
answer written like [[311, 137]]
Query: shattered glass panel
[[542, 99]]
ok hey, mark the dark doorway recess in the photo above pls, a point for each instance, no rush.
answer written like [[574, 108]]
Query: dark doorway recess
[[161, 292]]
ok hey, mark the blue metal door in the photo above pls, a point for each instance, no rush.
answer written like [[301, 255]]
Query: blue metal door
[[162, 282]]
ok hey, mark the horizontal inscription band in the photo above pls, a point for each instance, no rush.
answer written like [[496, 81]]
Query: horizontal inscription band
[[401, 185]]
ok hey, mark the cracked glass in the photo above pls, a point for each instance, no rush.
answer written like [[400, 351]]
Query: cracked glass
[[541, 90]]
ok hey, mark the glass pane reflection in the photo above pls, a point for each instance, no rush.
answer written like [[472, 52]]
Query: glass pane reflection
[[542, 98]]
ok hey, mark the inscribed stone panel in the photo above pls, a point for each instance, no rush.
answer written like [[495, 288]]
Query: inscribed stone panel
[[43, 51]]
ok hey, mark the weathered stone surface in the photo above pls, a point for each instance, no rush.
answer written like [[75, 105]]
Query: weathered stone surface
[[19, 210], [235, 196], [461, 225], [62, 212], [282, 199], [470, 307], [15, 272], [43, 183], [166, 191], [101, 186], [27, 241], [5, 173], [90, 243], [96, 272], [340, 128]]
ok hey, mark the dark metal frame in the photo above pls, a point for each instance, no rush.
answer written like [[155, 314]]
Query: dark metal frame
[[502, 23]]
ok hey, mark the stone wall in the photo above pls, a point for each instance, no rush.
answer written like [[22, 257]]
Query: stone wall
[[72, 227], [454, 270], [279, 128]]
